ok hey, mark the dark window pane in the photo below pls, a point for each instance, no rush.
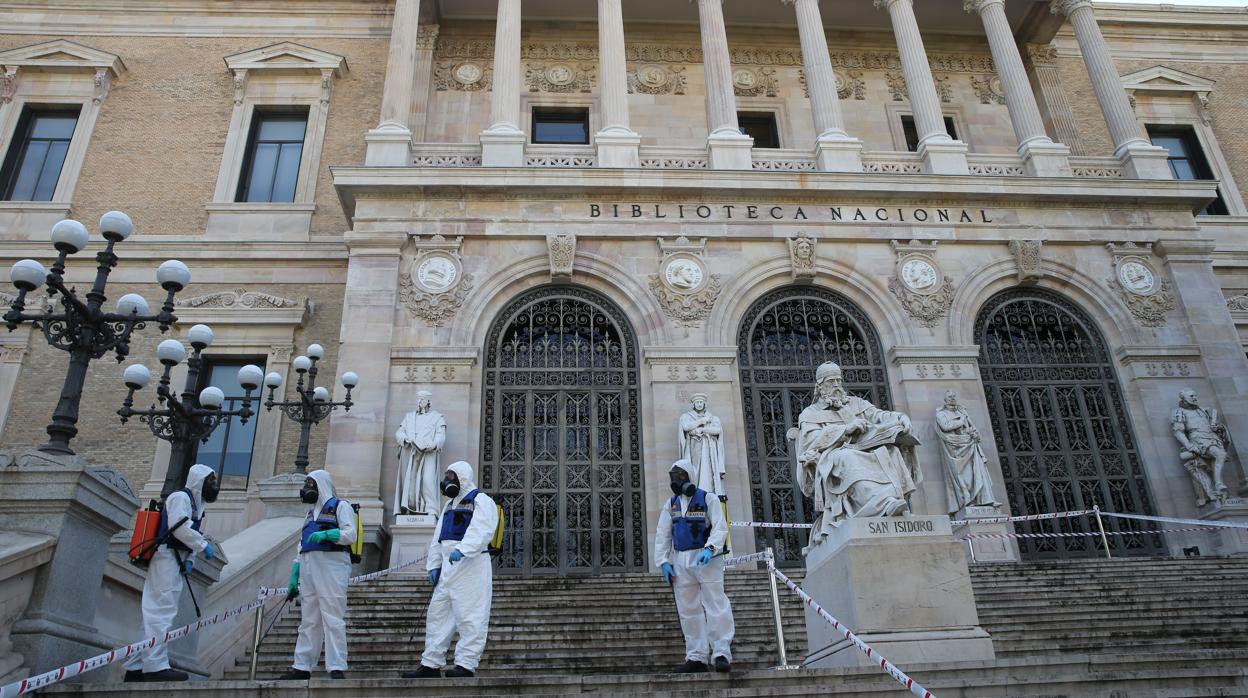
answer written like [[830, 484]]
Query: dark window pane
[[911, 131], [761, 126], [1182, 169], [564, 126], [33, 163], [271, 165], [1187, 159]]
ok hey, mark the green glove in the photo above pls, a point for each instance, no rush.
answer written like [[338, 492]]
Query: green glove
[[332, 535], [293, 587]]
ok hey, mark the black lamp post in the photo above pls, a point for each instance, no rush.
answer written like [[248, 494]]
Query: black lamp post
[[84, 329], [190, 418], [313, 404]]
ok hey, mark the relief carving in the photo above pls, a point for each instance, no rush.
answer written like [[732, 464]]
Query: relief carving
[[465, 76], [848, 84], [1027, 256], [238, 298], [657, 80], [561, 248], [1237, 303], [561, 77], [802, 251], [754, 82], [434, 308], [988, 89]]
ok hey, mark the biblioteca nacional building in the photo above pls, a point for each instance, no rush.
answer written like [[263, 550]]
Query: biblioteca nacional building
[[565, 220]]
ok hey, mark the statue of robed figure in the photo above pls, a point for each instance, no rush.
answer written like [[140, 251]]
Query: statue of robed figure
[[421, 437]]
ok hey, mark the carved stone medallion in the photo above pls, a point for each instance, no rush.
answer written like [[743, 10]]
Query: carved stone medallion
[[1136, 276], [754, 82], [923, 290], [436, 272], [468, 73], [684, 287], [1146, 295], [919, 275], [435, 285], [683, 273]]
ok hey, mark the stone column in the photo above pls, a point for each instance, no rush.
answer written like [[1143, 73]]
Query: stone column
[[1203, 305], [1041, 156], [502, 144], [390, 144], [1140, 159], [426, 42], [728, 148], [941, 154], [835, 151], [617, 143]]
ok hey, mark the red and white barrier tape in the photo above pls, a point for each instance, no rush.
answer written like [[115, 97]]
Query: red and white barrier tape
[[1029, 517], [743, 559], [1092, 534], [1168, 519], [119, 654], [768, 524], [890, 668]]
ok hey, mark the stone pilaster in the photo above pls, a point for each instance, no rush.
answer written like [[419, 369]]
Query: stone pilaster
[[390, 143], [1140, 159], [835, 150], [1041, 156], [502, 144], [728, 148], [941, 154], [618, 145], [426, 42]]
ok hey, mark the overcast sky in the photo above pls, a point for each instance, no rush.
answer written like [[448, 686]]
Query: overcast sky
[[1204, 3]]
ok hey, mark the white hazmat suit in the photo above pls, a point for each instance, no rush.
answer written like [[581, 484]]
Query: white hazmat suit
[[162, 590], [461, 599], [323, 577], [705, 614]]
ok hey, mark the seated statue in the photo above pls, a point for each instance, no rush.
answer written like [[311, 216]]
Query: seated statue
[[1204, 443], [854, 459]]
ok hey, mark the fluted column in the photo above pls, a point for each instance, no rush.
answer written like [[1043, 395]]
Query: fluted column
[[729, 149], [1141, 159], [502, 144], [835, 150], [617, 143], [390, 143], [941, 154], [1041, 155]]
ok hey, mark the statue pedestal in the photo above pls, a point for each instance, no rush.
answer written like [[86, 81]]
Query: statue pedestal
[[409, 540], [902, 585], [1226, 541], [988, 549]]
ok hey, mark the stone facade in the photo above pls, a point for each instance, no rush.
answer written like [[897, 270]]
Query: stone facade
[[350, 258]]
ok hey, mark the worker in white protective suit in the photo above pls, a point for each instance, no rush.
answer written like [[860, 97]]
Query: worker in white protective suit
[[462, 575], [181, 520], [688, 543], [320, 575]]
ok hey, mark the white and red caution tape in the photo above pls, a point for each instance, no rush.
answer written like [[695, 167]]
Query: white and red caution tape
[[768, 524], [1029, 517], [1081, 534], [889, 668], [1168, 519], [34, 683], [743, 559]]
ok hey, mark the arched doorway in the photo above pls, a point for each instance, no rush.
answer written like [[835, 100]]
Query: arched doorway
[[783, 338], [1060, 424], [561, 434]]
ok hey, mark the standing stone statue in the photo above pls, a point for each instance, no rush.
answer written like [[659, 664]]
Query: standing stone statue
[[1204, 443], [967, 482], [421, 437], [854, 459], [702, 444]]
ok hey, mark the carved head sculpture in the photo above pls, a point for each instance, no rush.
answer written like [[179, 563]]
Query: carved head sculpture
[[1188, 399], [802, 249], [424, 399], [698, 400], [951, 399], [829, 385]]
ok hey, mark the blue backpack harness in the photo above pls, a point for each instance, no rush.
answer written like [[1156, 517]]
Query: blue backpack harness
[[691, 531], [328, 519], [455, 521], [163, 534]]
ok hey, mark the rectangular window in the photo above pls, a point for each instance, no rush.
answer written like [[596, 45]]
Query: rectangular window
[[228, 450], [274, 148], [561, 125], [912, 131], [1187, 159], [37, 154], [761, 126]]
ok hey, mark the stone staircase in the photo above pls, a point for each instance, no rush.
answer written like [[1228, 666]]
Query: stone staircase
[[1110, 628]]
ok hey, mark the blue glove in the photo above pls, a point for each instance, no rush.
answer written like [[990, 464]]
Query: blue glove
[[704, 557], [209, 552], [187, 565], [456, 556], [669, 572], [433, 576]]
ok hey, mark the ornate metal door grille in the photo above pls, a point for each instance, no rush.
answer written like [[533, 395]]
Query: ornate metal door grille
[[1060, 425], [783, 339], [561, 437]]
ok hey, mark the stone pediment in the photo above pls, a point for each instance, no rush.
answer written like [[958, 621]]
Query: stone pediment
[[62, 54], [287, 55], [1162, 79]]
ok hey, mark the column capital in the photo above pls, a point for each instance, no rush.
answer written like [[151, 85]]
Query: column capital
[[976, 6], [885, 4], [1067, 7]]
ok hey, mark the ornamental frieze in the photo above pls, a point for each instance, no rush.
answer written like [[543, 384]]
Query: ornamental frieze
[[561, 77], [653, 79], [848, 84]]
